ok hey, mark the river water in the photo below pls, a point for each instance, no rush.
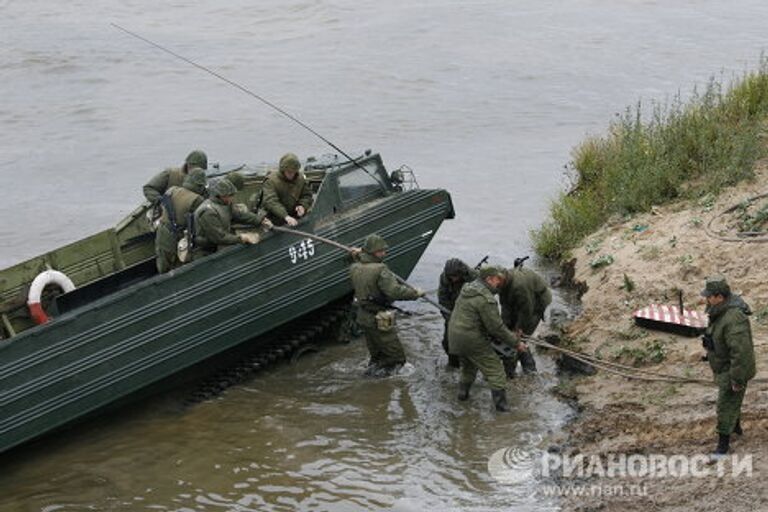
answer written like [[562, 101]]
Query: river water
[[483, 98]]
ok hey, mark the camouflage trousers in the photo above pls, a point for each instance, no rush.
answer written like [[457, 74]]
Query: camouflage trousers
[[383, 346], [525, 359], [165, 249], [453, 360], [728, 404], [489, 365]]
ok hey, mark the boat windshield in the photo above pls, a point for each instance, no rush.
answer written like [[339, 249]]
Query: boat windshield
[[357, 185]]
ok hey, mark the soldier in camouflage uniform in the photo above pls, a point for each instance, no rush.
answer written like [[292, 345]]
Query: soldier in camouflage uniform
[[455, 274], [286, 195], [182, 200], [730, 353], [173, 176], [524, 298], [475, 320], [375, 289], [237, 179], [213, 221]]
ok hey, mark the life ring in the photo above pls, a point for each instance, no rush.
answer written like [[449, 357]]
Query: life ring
[[43, 279]]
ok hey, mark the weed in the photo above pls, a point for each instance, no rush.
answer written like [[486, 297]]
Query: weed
[[692, 148]]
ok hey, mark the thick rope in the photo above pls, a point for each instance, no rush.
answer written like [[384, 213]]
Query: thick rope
[[748, 237]]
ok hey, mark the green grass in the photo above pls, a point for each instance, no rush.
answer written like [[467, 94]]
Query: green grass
[[684, 149]]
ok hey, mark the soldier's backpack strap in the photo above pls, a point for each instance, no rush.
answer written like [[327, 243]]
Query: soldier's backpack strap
[[165, 200], [191, 229]]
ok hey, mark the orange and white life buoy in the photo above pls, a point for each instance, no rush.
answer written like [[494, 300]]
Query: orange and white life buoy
[[39, 316]]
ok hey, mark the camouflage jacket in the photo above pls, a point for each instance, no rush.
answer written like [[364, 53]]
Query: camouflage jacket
[[475, 319], [183, 201], [162, 181], [448, 291], [372, 279], [732, 337], [523, 299], [213, 223], [281, 197]]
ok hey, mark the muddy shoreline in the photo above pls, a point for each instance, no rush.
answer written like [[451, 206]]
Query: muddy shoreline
[[651, 258]]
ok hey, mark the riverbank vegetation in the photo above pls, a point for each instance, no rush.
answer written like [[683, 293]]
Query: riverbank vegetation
[[689, 148]]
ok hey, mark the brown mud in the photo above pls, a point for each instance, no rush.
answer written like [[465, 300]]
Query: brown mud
[[654, 256]]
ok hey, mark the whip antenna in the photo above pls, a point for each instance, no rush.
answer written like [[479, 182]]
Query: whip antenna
[[249, 93]]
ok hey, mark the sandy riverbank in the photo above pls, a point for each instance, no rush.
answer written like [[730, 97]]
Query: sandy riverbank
[[659, 253]]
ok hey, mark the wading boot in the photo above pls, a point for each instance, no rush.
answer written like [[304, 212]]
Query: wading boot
[[721, 451], [464, 391], [737, 429], [500, 400], [527, 362]]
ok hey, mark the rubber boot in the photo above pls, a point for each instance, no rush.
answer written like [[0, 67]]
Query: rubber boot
[[723, 442], [527, 362], [510, 366], [737, 429], [500, 400], [464, 391]]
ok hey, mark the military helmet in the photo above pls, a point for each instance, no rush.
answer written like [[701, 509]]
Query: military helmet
[[374, 243], [492, 271], [237, 179], [196, 159], [289, 162], [454, 267], [196, 180], [224, 188], [716, 284]]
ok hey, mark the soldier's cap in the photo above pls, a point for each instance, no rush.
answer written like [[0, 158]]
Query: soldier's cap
[[289, 162], [224, 188], [492, 271], [716, 285], [196, 158], [237, 179], [374, 243], [196, 179]]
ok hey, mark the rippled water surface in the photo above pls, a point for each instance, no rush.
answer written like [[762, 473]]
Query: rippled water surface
[[482, 98]]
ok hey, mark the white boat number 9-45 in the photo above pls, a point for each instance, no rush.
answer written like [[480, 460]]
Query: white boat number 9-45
[[301, 251]]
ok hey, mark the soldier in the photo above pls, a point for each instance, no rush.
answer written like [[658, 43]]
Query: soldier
[[375, 290], [173, 176], [286, 194], [524, 298], [731, 355], [237, 179], [213, 221], [455, 274], [475, 320], [177, 203]]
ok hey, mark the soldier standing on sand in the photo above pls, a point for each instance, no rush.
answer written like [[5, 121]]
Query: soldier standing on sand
[[474, 321], [213, 221], [180, 201], [173, 176], [375, 290], [524, 298], [731, 355], [455, 274], [286, 193]]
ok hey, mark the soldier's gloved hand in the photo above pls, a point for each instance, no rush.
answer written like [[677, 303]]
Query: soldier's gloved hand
[[249, 238], [355, 251], [420, 292], [522, 347], [267, 224], [300, 211], [290, 220]]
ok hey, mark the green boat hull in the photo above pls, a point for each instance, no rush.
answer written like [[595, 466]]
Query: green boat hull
[[112, 347]]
